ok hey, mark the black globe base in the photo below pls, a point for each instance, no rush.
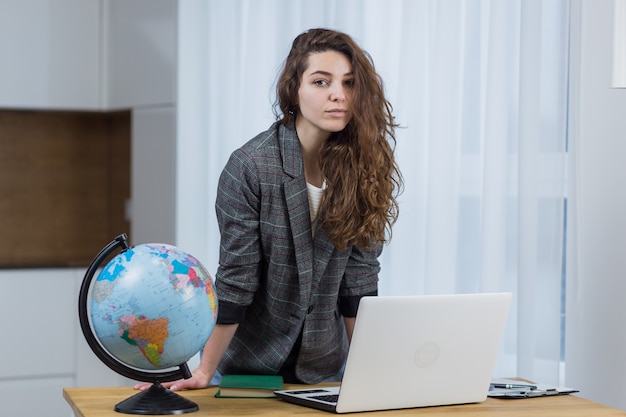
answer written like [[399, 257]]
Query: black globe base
[[156, 400]]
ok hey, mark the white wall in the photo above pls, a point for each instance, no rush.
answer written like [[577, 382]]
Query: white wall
[[197, 220], [141, 45], [153, 161], [596, 332]]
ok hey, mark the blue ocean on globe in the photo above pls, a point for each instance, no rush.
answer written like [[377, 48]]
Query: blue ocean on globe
[[153, 306]]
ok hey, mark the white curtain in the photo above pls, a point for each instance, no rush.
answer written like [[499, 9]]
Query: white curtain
[[480, 90]]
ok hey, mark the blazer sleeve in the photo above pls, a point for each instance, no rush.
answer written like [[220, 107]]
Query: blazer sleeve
[[237, 208], [360, 278]]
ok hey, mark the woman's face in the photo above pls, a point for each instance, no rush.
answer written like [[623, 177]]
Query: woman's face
[[325, 94]]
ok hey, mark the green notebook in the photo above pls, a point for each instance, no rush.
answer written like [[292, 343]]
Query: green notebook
[[251, 386]]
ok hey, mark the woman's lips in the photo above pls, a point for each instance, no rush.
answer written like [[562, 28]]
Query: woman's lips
[[337, 112]]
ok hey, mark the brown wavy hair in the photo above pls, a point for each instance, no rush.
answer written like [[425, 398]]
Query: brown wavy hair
[[359, 206]]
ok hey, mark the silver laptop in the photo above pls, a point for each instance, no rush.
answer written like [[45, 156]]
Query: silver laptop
[[416, 351]]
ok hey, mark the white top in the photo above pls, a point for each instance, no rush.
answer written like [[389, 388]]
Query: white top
[[315, 198]]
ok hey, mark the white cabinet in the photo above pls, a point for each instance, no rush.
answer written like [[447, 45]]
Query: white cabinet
[[87, 54], [141, 53], [43, 349], [80, 55], [50, 54]]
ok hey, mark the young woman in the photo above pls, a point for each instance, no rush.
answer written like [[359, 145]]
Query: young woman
[[304, 210]]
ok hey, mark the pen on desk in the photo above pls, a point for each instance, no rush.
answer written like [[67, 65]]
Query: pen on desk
[[514, 386]]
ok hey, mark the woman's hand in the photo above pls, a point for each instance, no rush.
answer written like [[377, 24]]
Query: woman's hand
[[199, 379], [213, 351]]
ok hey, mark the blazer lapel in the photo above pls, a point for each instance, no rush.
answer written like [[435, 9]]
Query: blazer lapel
[[323, 248], [297, 202]]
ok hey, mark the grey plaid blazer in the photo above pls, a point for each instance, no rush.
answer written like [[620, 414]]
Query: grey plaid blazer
[[274, 278]]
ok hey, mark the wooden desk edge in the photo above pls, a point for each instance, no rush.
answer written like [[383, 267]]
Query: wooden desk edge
[[100, 402]]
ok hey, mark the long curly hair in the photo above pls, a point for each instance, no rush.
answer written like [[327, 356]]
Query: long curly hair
[[359, 206]]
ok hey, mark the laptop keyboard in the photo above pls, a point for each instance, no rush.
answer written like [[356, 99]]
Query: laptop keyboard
[[332, 398]]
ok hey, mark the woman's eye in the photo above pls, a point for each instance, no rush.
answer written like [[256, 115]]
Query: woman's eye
[[320, 82], [349, 83]]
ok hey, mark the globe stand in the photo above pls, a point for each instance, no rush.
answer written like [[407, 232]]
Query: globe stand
[[156, 400]]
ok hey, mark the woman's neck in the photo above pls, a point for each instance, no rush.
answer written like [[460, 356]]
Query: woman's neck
[[311, 143]]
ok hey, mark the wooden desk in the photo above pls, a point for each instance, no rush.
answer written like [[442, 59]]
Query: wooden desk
[[99, 402]]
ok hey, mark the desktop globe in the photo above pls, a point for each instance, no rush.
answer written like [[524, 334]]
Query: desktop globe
[[150, 309]]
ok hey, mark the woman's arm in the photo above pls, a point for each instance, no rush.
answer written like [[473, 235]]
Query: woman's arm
[[349, 322], [360, 279]]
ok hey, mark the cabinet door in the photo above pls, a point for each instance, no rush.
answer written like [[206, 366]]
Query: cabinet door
[[51, 54], [43, 349], [38, 310], [141, 51]]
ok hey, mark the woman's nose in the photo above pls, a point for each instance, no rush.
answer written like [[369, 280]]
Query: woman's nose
[[337, 93]]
